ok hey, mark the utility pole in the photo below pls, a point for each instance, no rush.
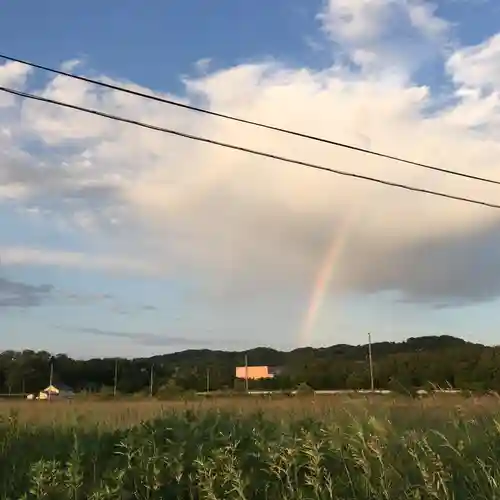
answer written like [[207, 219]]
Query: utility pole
[[370, 360], [208, 380], [246, 373], [151, 378], [51, 376], [116, 378]]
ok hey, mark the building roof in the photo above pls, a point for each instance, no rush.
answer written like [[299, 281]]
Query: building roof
[[58, 387]]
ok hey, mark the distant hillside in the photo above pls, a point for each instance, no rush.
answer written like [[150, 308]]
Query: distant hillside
[[269, 356]]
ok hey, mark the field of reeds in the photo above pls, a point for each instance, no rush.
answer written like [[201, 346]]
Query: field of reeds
[[445, 447]]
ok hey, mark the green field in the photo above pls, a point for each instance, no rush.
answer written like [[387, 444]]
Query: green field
[[295, 448]]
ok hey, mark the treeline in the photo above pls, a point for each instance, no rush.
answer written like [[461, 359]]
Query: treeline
[[442, 361]]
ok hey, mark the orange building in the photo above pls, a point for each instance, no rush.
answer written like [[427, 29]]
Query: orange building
[[255, 372]]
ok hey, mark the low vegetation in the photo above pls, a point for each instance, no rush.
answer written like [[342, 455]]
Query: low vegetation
[[443, 447]]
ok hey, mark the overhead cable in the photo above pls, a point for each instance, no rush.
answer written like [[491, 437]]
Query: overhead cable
[[178, 104]]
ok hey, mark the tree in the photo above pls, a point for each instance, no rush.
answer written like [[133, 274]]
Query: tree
[[304, 390], [170, 390]]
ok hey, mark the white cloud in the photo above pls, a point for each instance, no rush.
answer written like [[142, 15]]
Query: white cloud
[[393, 37], [12, 75], [475, 72], [203, 65], [239, 224], [477, 67], [69, 66], [12, 256]]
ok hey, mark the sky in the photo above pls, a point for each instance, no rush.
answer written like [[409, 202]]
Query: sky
[[121, 241]]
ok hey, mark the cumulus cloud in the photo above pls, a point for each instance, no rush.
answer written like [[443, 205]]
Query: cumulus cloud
[[389, 36], [477, 67], [12, 74], [239, 225]]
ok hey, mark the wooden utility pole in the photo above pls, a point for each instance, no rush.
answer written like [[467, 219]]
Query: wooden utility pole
[[51, 376], [370, 360], [246, 373], [151, 380], [208, 380], [115, 382]]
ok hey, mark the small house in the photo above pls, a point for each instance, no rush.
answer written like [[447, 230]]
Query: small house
[[56, 391]]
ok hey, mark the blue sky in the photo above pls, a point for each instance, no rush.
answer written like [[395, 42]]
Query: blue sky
[[117, 241], [155, 46]]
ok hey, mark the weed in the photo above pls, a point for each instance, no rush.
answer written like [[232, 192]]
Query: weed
[[252, 450]]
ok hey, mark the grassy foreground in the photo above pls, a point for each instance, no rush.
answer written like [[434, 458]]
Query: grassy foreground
[[327, 448]]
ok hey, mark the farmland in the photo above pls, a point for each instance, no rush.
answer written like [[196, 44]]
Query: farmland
[[252, 448]]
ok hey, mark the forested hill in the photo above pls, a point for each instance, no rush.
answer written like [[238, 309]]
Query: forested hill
[[416, 362], [269, 356]]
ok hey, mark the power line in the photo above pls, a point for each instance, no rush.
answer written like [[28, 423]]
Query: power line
[[249, 122], [246, 150]]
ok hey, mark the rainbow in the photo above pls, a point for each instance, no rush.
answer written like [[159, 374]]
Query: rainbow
[[324, 276]]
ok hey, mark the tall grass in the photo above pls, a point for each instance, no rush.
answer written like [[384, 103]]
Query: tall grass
[[328, 448]]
